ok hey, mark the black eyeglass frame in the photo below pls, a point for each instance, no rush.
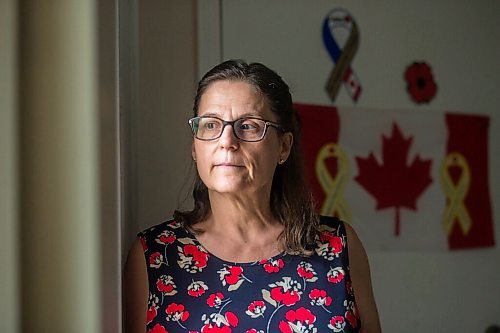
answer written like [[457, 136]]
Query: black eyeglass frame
[[267, 123]]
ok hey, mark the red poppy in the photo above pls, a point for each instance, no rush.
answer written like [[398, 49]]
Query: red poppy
[[192, 258], [337, 323], [256, 309], [334, 242], [176, 312], [215, 300], [306, 271], [272, 265], [165, 284], [301, 316], [157, 329], [143, 244], [319, 297], [166, 237], [197, 288], [221, 323], [289, 297], [335, 275], [234, 274], [151, 314], [351, 318], [155, 260], [420, 82]]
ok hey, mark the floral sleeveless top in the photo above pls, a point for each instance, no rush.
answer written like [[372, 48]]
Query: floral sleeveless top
[[191, 290]]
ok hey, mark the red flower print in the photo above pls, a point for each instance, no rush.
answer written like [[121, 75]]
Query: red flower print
[[320, 298], [157, 329], [286, 291], [420, 82], [329, 245], [175, 312], [301, 320], [166, 285], [218, 323], [272, 265], [166, 237], [231, 319], [253, 330], [288, 298], [232, 276], [155, 260], [351, 313], [197, 288], [335, 275], [151, 314], [153, 301], [143, 244], [337, 323], [256, 309], [174, 224], [215, 300], [351, 318], [306, 271], [192, 258]]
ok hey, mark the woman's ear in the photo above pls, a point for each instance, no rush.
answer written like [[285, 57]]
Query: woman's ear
[[193, 152], [286, 147]]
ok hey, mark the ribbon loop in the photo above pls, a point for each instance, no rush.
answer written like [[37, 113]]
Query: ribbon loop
[[334, 203], [456, 193], [342, 72]]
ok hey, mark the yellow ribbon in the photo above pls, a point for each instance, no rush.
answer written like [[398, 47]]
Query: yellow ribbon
[[456, 193], [333, 186]]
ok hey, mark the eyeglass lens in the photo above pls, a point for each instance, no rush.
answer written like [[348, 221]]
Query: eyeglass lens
[[248, 129]]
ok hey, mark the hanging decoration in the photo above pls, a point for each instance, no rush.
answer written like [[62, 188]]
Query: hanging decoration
[[420, 82], [341, 40]]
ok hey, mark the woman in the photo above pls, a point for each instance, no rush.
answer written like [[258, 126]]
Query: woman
[[252, 256]]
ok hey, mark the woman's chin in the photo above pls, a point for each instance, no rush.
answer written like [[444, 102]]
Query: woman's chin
[[236, 189]]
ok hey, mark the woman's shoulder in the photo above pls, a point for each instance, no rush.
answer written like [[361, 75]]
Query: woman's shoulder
[[333, 225], [330, 221]]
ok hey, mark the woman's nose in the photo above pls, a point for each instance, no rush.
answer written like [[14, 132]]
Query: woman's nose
[[228, 139]]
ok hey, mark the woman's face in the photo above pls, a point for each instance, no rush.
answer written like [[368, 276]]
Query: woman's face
[[227, 164]]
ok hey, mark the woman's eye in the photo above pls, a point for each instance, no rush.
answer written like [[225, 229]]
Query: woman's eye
[[249, 125], [211, 125]]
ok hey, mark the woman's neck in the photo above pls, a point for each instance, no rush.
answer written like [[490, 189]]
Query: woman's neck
[[240, 213], [240, 229]]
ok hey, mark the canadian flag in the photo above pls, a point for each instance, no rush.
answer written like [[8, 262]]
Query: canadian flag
[[406, 180]]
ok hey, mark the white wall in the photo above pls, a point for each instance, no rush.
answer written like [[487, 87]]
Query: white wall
[[416, 292]]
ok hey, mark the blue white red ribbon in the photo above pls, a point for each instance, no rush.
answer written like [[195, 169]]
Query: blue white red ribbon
[[342, 56]]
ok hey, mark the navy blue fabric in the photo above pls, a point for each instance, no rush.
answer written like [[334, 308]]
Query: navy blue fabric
[[191, 290]]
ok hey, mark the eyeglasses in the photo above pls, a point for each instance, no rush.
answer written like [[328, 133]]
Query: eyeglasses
[[247, 129]]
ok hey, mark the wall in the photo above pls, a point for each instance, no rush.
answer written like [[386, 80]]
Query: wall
[[166, 81], [9, 189], [434, 292]]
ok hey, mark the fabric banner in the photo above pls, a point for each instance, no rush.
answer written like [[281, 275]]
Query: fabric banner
[[405, 180]]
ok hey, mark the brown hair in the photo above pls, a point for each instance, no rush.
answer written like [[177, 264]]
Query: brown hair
[[291, 201]]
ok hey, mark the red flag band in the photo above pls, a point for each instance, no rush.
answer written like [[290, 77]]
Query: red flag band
[[468, 136]]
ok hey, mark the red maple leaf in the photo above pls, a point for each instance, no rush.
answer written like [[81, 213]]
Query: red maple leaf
[[394, 183]]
